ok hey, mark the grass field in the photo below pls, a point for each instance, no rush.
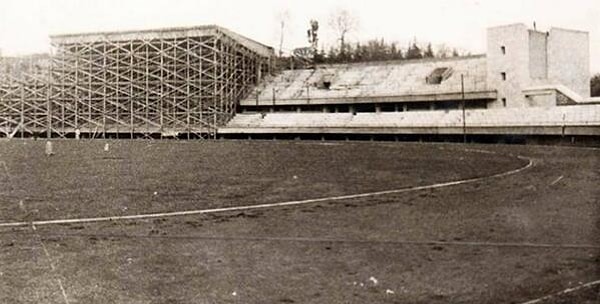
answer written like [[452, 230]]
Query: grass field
[[443, 245]]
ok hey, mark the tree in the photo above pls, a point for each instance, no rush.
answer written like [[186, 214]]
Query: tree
[[395, 52], [595, 85], [428, 52], [443, 51], [320, 56], [343, 23], [332, 55], [413, 52]]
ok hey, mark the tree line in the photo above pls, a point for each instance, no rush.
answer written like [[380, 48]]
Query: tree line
[[371, 50], [381, 50]]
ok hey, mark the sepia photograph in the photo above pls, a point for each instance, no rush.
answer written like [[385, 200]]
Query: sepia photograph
[[331, 151]]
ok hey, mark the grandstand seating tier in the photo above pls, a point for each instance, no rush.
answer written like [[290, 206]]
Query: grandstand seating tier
[[372, 80], [580, 115]]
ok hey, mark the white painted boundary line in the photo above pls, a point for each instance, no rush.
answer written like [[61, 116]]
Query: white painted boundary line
[[556, 180], [264, 206], [566, 291]]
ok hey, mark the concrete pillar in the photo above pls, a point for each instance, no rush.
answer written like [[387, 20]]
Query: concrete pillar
[[395, 107], [404, 107], [377, 108], [298, 109], [432, 106], [351, 109]]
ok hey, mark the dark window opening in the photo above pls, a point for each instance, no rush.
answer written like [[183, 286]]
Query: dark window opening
[[343, 108], [326, 85], [503, 49], [503, 75], [364, 108], [418, 106], [476, 104], [504, 102], [438, 75], [447, 105], [388, 107]]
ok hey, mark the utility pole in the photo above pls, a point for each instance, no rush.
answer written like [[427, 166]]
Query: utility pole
[[464, 122]]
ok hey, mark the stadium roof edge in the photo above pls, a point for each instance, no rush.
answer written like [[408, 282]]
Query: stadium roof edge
[[168, 32], [507, 25], [568, 30], [402, 61]]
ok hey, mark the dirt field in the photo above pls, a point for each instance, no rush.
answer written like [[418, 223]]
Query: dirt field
[[497, 240]]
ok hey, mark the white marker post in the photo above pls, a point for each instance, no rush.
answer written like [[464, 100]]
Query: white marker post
[[49, 151]]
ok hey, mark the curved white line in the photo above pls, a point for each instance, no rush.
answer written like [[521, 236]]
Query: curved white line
[[264, 206], [560, 293]]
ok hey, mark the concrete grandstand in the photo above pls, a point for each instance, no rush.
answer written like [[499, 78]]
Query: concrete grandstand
[[528, 83]]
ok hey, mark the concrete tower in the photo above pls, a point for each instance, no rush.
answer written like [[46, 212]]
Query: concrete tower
[[519, 58]]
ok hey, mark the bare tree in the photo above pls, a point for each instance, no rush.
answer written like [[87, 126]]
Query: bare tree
[[343, 23], [283, 18]]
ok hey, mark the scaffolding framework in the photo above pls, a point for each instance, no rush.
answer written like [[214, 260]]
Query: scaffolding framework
[[183, 82], [23, 95]]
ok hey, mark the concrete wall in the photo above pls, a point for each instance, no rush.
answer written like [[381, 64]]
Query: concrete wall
[[569, 59], [514, 62], [547, 99], [538, 55]]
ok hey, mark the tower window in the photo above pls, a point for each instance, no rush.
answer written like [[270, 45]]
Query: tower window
[[503, 75], [503, 49], [504, 102]]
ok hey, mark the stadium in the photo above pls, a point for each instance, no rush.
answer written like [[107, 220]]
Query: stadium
[[100, 211]]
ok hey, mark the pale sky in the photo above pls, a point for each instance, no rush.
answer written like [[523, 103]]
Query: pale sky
[[26, 24]]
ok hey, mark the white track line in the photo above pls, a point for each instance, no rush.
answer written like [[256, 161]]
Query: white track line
[[265, 206], [556, 180], [566, 291]]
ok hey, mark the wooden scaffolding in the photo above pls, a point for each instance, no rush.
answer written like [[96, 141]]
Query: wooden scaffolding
[[24, 95], [180, 82]]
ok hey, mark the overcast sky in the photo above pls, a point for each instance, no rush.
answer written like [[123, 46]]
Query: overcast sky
[[26, 24]]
